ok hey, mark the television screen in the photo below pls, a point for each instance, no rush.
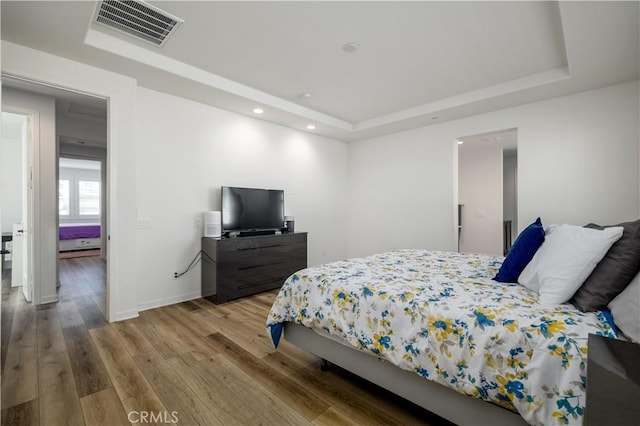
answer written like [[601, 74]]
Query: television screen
[[252, 209]]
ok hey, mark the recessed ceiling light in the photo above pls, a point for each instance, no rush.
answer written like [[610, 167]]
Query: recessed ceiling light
[[258, 110], [311, 127], [460, 142], [351, 47], [305, 96]]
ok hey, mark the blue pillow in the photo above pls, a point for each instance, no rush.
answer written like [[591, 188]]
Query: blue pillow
[[521, 253]]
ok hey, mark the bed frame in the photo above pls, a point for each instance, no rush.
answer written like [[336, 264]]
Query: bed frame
[[445, 402], [87, 236], [79, 244]]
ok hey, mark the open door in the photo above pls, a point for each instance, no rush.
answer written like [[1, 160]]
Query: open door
[[17, 256], [17, 197], [27, 208]]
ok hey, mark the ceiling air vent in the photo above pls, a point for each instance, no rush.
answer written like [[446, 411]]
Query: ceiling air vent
[[139, 19]]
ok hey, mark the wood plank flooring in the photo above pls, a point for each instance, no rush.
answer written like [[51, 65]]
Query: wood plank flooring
[[194, 362]]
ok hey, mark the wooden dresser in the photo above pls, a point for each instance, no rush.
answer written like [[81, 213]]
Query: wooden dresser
[[241, 266]]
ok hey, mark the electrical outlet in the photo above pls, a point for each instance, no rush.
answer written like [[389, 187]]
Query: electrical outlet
[[197, 222], [145, 223]]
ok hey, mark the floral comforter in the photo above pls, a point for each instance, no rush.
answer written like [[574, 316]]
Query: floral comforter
[[440, 315]]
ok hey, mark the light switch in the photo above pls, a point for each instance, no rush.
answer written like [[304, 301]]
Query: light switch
[[145, 222]]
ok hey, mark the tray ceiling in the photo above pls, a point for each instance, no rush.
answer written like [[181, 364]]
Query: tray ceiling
[[418, 63]]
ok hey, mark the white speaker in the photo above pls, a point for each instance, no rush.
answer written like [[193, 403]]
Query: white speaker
[[212, 224]]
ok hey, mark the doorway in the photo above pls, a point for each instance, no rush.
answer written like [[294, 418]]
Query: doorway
[[16, 200], [75, 125], [487, 192], [80, 211]]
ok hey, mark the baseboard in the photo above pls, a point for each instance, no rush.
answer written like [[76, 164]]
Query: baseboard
[[125, 315], [165, 301], [49, 299]]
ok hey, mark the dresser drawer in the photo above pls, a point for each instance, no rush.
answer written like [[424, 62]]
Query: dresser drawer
[[249, 244], [262, 255], [260, 273]]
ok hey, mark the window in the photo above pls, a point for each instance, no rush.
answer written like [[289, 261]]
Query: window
[[88, 198], [63, 197], [79, 190]]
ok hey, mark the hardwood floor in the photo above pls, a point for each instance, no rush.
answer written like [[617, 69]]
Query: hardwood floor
[[194, 363]]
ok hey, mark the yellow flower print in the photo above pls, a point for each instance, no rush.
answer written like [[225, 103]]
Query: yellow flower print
[[380, 342], [555, 326], [440, 328], [341, 298], [510, 325]]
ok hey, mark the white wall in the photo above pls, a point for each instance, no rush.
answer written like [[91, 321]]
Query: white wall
[[480, 191], [580, 164], [187, 151], [577, 162], [11, 182], [400, 194]]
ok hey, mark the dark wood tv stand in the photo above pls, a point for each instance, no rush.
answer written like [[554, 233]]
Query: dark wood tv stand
[[241, 266]]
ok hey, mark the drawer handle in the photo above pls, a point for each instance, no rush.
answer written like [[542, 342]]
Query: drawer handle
[[271, 246], [246, 286], [258, 248], [242, 268]]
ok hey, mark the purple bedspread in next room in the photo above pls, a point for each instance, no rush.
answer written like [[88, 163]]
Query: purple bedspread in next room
[[71, 231]]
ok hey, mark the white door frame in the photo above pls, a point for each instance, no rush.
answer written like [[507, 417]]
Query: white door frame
[[39, 67], [31, 201]]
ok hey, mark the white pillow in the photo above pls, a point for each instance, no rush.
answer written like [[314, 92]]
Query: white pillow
[[625, 309], [565, 259]]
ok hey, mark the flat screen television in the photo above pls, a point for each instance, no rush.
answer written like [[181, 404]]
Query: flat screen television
[[252, 209]]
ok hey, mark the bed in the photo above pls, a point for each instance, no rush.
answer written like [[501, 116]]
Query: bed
[[79, 236], [436, 329]]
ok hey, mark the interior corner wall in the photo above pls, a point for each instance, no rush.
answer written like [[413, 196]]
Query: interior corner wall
[[401, 192], [122, 138], [188, 150], [578, 162], [45, 199]]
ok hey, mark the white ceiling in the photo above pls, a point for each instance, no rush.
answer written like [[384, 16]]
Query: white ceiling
[[419, 63]]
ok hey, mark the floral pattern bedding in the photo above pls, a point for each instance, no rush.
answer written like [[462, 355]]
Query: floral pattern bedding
[[440, 315]]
